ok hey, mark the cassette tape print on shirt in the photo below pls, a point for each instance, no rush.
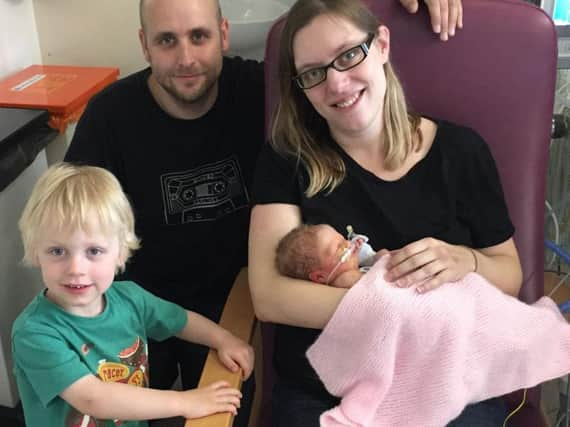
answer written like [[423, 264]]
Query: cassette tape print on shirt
[[204, 194]]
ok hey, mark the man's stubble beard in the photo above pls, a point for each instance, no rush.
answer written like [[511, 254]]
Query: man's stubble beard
[[191, 98]]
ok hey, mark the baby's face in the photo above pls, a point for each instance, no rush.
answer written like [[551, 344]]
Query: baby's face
[[331, 246]]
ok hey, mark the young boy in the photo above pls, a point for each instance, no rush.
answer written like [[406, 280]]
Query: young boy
[[321, 254], [80, 347]]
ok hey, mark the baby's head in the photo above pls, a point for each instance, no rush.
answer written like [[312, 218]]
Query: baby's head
[[69, 198], [314, 252]]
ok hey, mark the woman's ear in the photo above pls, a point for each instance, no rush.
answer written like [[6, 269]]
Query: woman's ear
[[383, 42]]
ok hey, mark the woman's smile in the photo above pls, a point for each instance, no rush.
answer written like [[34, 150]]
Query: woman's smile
[[349, 102]]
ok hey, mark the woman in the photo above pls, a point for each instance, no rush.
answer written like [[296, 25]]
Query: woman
[[345, 150]]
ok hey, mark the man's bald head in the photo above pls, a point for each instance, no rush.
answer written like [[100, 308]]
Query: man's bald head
[[143, 6]]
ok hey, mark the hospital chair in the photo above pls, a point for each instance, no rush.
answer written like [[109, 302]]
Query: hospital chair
[[497, 75]]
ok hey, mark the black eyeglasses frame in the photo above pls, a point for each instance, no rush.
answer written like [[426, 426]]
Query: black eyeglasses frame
[[364, 46]]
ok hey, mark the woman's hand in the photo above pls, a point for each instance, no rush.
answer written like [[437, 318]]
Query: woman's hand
[[235, 354], [446, 15], [429, 263]]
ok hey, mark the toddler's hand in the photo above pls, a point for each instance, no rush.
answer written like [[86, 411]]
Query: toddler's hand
[[215, 398], [234, 353]]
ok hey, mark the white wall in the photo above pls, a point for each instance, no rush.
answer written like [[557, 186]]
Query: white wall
[[18, 283], [19, 46], [90, 33]]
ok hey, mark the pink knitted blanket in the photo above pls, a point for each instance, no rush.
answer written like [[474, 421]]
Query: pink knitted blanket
[[398, 358]]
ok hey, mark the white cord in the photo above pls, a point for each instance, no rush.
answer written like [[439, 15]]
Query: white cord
[[561, 88], [554, 289], [565, 414], [556, 232]]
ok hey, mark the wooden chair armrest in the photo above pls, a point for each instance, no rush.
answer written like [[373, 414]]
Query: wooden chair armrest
[[238, 318]]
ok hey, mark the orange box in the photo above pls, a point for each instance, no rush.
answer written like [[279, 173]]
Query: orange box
[[62, 90]]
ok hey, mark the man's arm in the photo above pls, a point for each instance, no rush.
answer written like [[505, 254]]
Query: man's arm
[[97, 138], [87, 144]]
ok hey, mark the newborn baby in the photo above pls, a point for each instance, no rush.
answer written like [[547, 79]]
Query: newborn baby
[[321, 254]]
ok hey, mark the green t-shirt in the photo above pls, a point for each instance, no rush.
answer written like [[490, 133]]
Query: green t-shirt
[[52, 349]]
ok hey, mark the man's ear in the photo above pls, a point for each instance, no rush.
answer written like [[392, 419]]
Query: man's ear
[[144, 46], [318, 276], [225, 34]]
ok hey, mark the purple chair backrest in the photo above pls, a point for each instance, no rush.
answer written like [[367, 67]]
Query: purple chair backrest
[[497, 75]]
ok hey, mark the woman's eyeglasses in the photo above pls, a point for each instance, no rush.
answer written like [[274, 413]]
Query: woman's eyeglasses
[[345, 61]]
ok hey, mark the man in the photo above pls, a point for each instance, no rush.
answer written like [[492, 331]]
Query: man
[[182, 138]]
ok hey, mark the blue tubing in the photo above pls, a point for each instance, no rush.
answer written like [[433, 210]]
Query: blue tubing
[[565, 307], [558, 251], [565, 256]]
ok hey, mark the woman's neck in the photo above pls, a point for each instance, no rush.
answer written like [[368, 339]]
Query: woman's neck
[[364, 144], [368, 151]]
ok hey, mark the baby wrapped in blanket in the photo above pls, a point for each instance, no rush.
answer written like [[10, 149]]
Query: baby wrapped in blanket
[[399, 358]]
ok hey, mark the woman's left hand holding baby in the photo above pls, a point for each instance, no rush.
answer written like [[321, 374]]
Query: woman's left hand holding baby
[[429, 263]]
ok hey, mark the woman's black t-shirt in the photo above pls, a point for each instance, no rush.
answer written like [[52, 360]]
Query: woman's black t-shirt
[[453, 194]]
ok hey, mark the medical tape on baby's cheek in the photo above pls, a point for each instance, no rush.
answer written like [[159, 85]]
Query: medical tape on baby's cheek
[[352, 246]]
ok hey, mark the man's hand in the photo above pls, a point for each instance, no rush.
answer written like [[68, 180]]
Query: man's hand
[[446, 15]]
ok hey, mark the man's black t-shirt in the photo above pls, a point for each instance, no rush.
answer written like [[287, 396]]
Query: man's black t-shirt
[[188, 180]]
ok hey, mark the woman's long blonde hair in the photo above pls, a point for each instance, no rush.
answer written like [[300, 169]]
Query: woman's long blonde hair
[[297, 128]]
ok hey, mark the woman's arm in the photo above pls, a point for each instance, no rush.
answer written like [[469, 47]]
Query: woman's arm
[[442, 262], [277, 298], [500, 265], [347, 279]]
